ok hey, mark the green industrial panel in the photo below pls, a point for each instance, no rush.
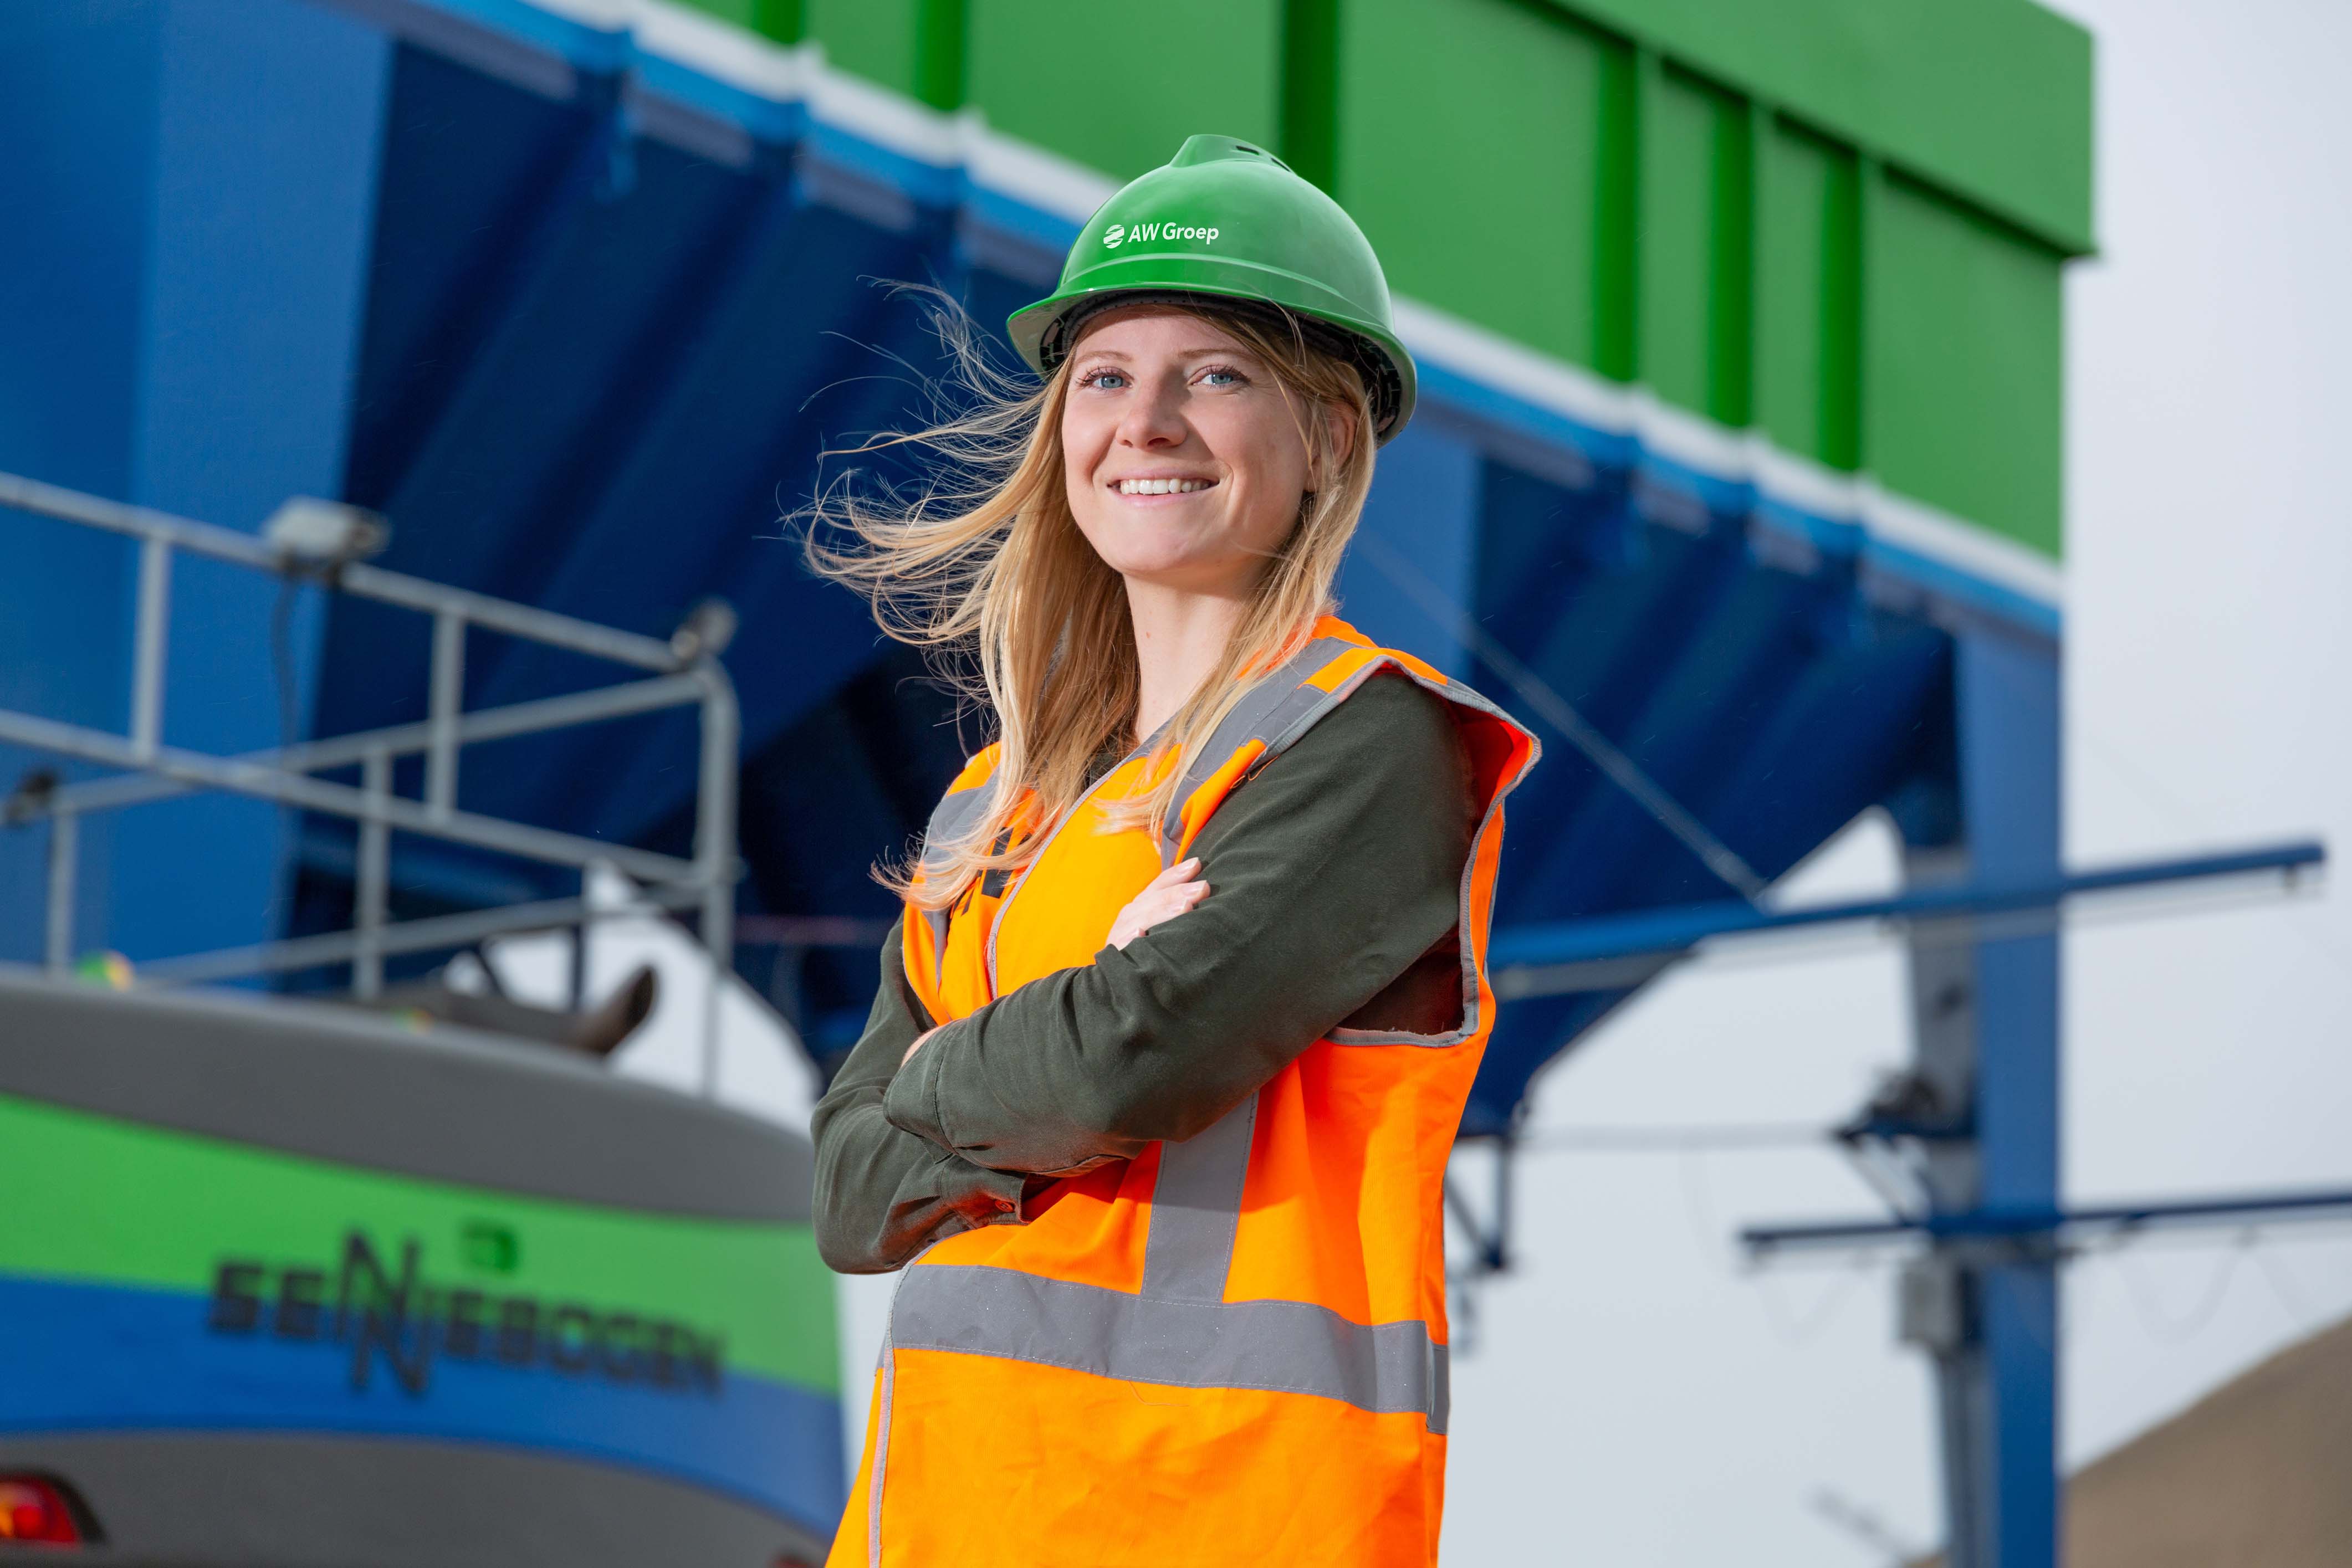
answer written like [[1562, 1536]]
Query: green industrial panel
[[780, 20], [914, 46], [1988, 99], [1695, 272], [1809, 296], [874, 39], [1963, 382], [1117, 85], [1470, 149]]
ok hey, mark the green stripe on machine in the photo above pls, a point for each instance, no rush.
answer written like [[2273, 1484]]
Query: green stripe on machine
[[100, 1200]]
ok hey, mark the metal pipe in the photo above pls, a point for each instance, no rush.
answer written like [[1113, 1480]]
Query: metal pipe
[[153, 635], [342, 801], [373, 881], [2027, 1223], [140, 522], [367, 582], [396, 740], [398, 937], [64, 846], [449, 687], [1675, 928], [714, 850], [517, 620]]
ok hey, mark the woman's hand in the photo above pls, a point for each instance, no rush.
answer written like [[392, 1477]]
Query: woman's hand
[[1164, 897]]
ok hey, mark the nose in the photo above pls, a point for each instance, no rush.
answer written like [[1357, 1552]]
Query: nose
[[1153, 419]]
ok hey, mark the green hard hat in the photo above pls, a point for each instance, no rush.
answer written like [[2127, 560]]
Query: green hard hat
[[1231, 221]]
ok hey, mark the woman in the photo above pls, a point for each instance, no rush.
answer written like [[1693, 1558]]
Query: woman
[[1155, 1100]]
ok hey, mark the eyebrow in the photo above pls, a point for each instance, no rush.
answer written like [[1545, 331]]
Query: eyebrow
[[1187, 354]]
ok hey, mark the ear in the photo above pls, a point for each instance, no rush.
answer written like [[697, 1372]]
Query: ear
[[1341, 420]]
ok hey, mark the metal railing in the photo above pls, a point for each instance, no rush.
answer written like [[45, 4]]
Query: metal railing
[[687, 672]]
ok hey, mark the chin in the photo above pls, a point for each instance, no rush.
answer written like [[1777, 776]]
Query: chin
[[1166, 571], [1171, 568], [1140, 554]]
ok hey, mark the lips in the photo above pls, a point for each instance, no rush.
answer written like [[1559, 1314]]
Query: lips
[[1161, 487]]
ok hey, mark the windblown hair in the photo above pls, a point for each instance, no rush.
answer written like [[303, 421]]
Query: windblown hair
[[984, 567]]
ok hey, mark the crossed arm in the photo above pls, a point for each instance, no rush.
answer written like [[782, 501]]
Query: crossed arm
[[1334, 882]]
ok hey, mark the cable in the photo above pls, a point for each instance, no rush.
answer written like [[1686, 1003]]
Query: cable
[[1698, 1203], [1798, 1331], [2170, 1332], [1561, 714], [1865, 1527], [2282, 1286]]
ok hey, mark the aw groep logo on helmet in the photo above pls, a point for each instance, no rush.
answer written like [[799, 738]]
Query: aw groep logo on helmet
[[1143, 234]]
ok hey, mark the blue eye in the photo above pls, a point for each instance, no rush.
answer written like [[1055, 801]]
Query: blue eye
[[1221, 376], [1095, 379]]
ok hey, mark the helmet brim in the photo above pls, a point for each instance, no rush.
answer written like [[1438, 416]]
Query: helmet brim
[[1042, 333]]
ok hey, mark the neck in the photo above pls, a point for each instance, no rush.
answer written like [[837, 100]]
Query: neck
[[1180, 637]]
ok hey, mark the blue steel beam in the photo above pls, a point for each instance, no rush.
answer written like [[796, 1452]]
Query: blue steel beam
[[1998, 1387], [2064, 1224], [1677, 929]]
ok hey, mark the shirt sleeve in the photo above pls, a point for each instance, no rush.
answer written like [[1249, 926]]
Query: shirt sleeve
[[883, 1195], [1331, 874]]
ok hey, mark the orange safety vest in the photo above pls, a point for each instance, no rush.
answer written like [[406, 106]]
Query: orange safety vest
[[1228, 1350]]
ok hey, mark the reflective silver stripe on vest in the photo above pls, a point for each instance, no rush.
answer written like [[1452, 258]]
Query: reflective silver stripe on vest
[[953, 817], [1280, 1347], [882, 1408], [1196, 1208], [1274, 711]]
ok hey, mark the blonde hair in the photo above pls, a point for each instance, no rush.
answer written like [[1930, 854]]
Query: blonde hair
[[984, 567]]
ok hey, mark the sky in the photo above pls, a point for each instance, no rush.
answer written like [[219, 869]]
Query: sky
[[1630, 1395]]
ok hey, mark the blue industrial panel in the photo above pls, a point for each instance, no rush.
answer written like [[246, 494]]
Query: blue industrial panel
[[1424, 510], [77, 120], [1772, 703], [204, 175], [266, 123]]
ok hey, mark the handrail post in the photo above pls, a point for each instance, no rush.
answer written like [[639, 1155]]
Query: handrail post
[[448, 679], [714, 853], [153, 635], [373, 878], [65, 843]]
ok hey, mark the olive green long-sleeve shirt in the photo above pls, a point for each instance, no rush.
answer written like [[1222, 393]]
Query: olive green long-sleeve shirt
[[1334, 893]]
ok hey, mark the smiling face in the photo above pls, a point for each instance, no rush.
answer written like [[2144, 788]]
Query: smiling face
[[1185, 461]]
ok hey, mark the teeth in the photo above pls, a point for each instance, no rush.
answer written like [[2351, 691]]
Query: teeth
[[1161, 487]]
